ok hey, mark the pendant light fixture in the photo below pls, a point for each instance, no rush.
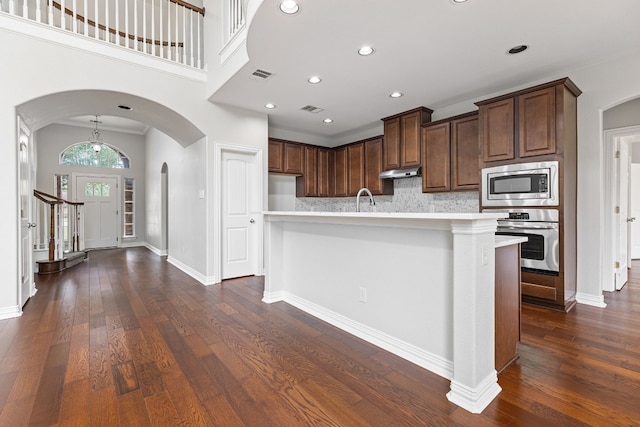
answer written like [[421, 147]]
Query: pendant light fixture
[[96, 140]]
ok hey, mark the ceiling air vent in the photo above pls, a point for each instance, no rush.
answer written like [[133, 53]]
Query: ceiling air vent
[[259, 74], [312, 109]]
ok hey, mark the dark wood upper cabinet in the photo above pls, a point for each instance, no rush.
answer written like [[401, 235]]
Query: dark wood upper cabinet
[[355, 169], [293, 158], [325, 157], [410, 147], [341, 188], [537, 122], [307, 185], [373, 163], [391, 143], [276, 156], [465, 169], [403, 138], [436, 158], [497, 130]]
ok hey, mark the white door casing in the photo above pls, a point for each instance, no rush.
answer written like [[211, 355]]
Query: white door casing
[[25, 195], [634, 211], [610, 221], [101, 197], [622, 229], [239, 228]]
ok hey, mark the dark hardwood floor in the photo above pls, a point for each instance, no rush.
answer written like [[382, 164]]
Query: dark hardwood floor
[[127, 339]]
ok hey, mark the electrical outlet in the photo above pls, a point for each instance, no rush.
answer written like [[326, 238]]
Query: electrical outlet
[[485, 255], [363, 294]]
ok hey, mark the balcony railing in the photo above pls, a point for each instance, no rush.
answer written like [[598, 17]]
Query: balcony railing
[[168, 29]]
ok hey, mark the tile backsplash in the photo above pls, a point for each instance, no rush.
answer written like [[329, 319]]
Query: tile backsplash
[[407, 197]]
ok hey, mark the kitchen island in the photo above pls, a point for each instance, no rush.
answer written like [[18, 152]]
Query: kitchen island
[[420, 285]]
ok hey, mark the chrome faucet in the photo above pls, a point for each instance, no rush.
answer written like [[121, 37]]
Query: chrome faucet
[[364, 190]]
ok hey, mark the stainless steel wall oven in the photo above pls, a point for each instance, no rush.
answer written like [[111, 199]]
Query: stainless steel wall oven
[[541, 253]]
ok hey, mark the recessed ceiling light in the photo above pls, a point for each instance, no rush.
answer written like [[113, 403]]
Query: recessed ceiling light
[[366, 50], [328, 120], [270, 106], [289, 7], [459, 1], [396, 94], [124, 107], [314, 79], [517, 49]]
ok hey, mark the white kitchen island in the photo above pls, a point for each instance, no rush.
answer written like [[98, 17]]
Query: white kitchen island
[[418, 285]]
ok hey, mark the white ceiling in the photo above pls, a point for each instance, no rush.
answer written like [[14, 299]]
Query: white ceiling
[[434, 51]]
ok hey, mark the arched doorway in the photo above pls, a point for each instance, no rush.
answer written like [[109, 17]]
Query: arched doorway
[[621, 138]]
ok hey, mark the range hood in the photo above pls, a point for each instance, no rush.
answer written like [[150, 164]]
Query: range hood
[[401, 173]]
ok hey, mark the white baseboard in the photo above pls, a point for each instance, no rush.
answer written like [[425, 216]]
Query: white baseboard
[[475, 399], [10, 312], [205, 280], [132, 244], [420, 357], [159, 252], [593, 300]]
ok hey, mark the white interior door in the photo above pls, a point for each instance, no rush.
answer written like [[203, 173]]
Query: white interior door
[[101, 211], [240, 215], [25, 171], [622, 246]]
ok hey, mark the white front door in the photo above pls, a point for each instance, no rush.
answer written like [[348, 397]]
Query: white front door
[[101, 210], [240, 215], [622, 248], [25, 195]]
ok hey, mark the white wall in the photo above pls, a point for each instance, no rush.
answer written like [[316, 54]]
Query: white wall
[[187, 211], [53, 139]]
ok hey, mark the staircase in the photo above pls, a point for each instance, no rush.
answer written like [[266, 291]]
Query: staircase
[[61, 233]]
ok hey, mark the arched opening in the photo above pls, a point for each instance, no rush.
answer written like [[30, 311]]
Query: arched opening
[[621, 125]]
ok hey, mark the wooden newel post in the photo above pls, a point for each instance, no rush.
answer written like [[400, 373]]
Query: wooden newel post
[[52, 233]]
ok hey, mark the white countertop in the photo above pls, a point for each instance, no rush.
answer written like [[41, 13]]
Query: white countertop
[[403, 215], [434, 221], [502, 240]]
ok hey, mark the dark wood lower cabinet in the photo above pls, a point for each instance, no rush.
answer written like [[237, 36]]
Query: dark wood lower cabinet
[[507, 300]]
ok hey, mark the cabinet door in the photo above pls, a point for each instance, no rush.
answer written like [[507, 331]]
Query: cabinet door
[[355, 171], [497, 130], [293, 158], [310, 171], [410, 137], [340, 178], [391, 148], [373, 167], [323, 173], [275, 156], [465, 167], [436, 158], [537, 122]]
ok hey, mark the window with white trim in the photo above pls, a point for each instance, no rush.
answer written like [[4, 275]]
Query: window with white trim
[[129, 199]]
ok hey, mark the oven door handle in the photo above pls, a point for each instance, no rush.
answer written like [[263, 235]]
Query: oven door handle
[[529, 227]]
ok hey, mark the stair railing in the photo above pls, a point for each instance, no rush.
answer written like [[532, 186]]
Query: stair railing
[[58, 224], [168, 29]]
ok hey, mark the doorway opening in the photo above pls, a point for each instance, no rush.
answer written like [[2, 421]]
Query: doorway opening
[[164, 210]]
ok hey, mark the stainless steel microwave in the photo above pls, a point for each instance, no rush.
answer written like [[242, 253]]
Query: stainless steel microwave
[[521, 184]]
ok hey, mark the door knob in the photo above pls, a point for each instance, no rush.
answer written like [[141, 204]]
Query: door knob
[[31, 225], [252, 220], [633, 218]]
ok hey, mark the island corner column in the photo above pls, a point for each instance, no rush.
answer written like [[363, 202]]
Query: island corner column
[[475, 382]]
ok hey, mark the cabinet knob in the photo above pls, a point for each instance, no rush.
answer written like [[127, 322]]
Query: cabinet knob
[[252, 220]]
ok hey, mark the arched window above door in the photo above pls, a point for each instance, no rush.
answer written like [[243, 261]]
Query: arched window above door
[[84, 154]]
